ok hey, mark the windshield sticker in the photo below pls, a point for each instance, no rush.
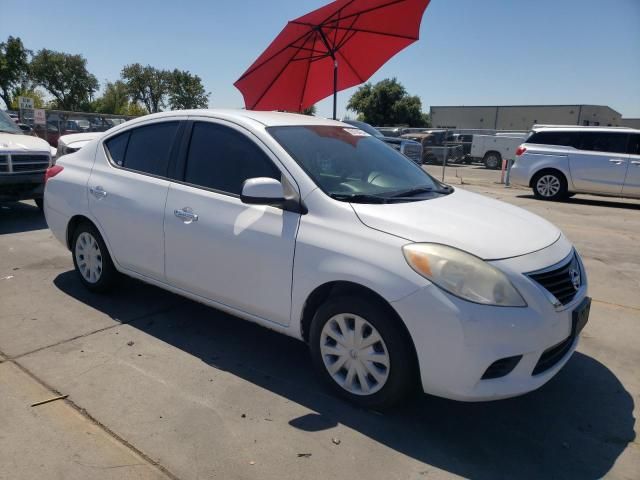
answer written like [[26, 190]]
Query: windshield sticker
[[356, 132]]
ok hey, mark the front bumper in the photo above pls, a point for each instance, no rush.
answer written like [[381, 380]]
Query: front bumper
[[21, 186], [456, 341]]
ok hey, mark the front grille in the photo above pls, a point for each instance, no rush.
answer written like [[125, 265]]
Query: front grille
[[562, 282], [553, 355], [23, 162], [414, 152], [28, 167]]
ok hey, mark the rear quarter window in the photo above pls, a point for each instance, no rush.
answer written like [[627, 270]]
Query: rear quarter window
[[559, 138]]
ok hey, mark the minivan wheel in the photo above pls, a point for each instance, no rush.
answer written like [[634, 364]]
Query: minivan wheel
[[91, 259], [550, 186], [361, 353]]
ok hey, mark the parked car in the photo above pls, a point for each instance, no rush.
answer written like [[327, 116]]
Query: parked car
[[23, 161], [434, 146], [492, 149], [72, 143], [398, 278], [77, 125], [408, 148], [557, 162], [465, 141]]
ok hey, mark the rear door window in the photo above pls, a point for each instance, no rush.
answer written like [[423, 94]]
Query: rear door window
[[564, 139], [221, 158], [149, 148], [615, 142]]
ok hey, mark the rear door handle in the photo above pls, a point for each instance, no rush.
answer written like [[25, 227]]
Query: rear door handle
[[616, 161], [98, 192], [186, 215]]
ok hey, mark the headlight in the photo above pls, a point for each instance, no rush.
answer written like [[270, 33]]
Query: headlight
[[462, 274]]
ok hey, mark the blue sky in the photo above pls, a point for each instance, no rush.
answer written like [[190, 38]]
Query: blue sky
[[471, 52]]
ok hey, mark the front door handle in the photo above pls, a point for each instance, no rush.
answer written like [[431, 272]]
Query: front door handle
[[616, 161], [186, 215], [98, 192]]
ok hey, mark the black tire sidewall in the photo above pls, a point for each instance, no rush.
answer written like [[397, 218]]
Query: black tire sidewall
[[109, 273], [402, 370], [560, 195]]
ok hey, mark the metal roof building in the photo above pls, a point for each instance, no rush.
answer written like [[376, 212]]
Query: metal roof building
[[522, 117]]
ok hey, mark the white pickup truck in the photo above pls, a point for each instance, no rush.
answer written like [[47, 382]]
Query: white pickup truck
[[492, 149]]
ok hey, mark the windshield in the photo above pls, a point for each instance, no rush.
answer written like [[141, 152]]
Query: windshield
[[366, 127], [351, 165], [7, 124]]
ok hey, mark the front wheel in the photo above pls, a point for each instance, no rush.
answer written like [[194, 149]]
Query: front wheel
[[360, 351], [91, 259], [550, 186]]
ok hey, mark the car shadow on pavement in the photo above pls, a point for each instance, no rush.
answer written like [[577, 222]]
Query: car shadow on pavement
[[609, 202], [576, 426], [18, 217]]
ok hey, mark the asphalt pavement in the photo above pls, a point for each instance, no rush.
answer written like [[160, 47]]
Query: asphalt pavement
[[161, 387]]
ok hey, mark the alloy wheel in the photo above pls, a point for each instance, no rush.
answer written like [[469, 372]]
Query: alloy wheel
[[354, 354], [548, 185], [88, 257]]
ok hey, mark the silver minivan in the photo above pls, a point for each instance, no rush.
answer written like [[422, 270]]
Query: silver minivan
[[558, 162]]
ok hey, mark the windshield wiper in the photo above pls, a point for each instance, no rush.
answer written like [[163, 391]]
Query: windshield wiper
[[412, 191], [358, 197]]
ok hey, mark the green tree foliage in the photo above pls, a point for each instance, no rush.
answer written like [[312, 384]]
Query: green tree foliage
[[14, 67], [65, 77], [186, 91], [38, 97], [114, 100], [147, 85], [387, 103], [309, 111]]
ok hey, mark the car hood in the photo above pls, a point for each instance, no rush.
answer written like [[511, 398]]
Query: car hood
[[11, 142], [479, 225]]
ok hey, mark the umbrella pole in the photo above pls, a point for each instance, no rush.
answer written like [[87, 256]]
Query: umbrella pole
[[335, 87]]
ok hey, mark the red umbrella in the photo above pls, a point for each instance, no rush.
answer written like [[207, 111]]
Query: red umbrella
[[358, 36]]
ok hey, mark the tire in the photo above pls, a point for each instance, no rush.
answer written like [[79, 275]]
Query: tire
[[550, 185], [88, 249], [492, 160], [39, 203], [393, 382]]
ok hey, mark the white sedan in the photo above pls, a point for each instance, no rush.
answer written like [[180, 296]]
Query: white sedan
[[314, 229]]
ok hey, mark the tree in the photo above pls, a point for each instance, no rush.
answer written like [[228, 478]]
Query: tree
[[65, 77], [115, 99], [309, 111], [38, 97], [186, 91], [387, 103], [147, 85], [14, 67]]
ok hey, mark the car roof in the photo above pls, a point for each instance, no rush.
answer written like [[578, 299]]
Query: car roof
[[268, 119], [576, 128]]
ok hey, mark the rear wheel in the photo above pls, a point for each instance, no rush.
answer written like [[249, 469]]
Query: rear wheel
[[550, 186], [91, 259], [492, 160], [361, 353]]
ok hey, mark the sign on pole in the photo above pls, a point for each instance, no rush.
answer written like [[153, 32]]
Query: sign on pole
[[25, 103], [39, 116]]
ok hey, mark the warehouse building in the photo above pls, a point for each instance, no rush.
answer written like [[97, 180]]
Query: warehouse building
[[522, 117]]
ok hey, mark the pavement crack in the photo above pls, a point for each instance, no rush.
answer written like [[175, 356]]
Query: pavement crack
[[82, 411], [93, 332]]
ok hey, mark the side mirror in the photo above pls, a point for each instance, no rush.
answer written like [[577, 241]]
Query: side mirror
[[263, 191]]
